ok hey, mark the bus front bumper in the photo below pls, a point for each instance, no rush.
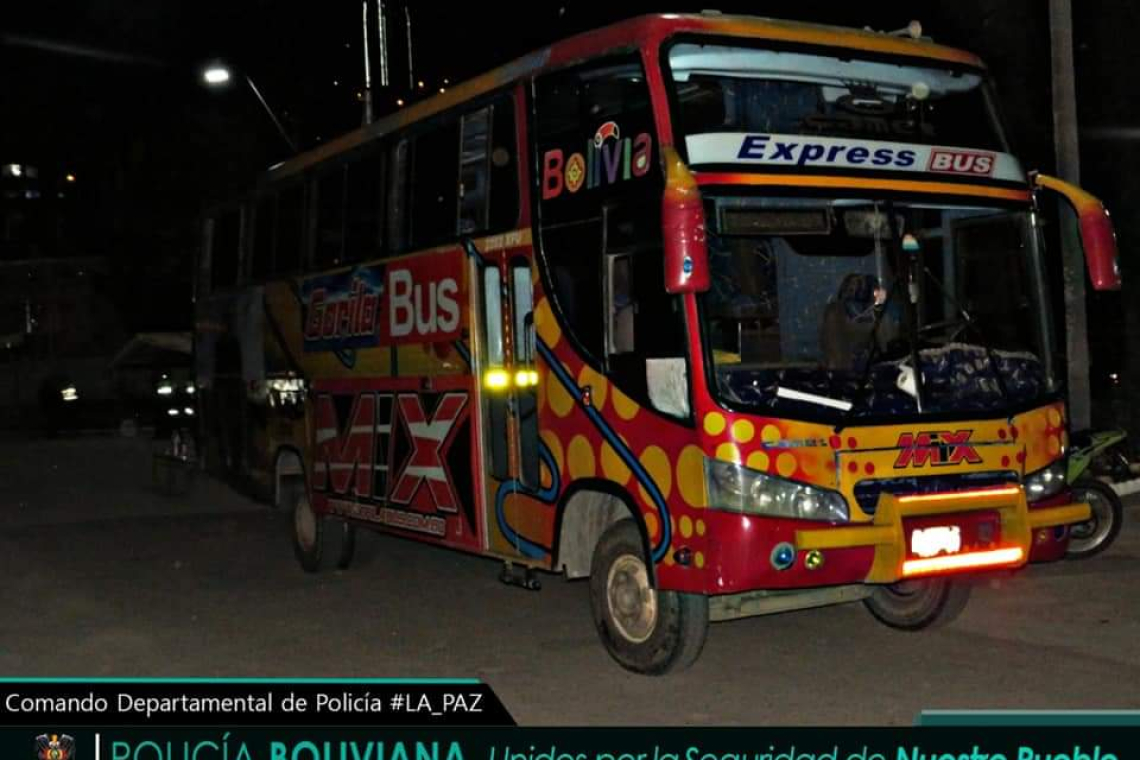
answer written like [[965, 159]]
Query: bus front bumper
[[950, 526]]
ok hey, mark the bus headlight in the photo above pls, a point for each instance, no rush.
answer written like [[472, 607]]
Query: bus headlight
[[738, 489], [1046, 482]]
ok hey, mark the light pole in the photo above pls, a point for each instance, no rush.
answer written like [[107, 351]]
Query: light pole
[[217, 75]]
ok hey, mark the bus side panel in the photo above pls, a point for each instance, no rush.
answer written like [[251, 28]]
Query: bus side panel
[[391, 425], [594, 437]]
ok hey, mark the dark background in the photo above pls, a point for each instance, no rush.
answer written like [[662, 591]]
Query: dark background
[[109, 90]]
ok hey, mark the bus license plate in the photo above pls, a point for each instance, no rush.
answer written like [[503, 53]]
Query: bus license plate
[[935, 540], [944, 534]]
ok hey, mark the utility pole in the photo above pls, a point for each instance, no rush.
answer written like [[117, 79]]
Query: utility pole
[[367, 71], [1067, 146], [382, 42], [411, 73]]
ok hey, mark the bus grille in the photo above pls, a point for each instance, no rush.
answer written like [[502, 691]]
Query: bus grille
[[867, 491]]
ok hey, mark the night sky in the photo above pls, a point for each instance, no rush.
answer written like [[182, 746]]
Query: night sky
[[109, 90]]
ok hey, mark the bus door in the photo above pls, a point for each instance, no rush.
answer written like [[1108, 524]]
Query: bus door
[[510, 391]]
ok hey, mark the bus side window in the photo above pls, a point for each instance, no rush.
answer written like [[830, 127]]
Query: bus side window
[[290, 230], [397, 200], [596, 149], [225, 249], [504, 167], [264, 223], [330, 190], [474, 174], [435, 185], [363, 208], [600, 185], [645, 330]]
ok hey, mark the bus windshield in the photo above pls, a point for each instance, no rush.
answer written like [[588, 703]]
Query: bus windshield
[[824, 307], [733, 89]]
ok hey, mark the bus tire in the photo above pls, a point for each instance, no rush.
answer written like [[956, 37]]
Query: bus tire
[[645, 630], [317, 538], [1091, 537], [917, 604]]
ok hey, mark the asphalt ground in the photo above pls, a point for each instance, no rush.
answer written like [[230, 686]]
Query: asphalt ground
[[104, 576]]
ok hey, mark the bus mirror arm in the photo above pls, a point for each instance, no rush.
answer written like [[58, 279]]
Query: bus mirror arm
[[1098, 237]]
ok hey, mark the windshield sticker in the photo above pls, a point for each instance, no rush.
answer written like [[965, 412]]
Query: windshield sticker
[[608, 159], [796, 151]]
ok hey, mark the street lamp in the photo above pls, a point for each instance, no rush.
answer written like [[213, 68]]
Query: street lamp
[[217, 75]]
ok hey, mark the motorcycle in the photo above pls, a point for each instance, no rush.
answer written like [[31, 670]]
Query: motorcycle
[[1098, 456]]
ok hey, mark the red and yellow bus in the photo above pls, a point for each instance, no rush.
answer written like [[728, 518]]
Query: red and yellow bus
[[733, 316]]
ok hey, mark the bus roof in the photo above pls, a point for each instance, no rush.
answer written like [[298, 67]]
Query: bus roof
[[647, 31]]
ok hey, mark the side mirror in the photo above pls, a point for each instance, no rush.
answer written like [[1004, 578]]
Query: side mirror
[[1098, 238], [683, 218]]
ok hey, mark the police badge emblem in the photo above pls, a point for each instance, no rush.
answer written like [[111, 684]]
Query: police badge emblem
[[55, 747]]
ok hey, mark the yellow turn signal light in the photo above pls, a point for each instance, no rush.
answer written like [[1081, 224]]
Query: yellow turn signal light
[[496, 379], [500, 379], [526, 378]]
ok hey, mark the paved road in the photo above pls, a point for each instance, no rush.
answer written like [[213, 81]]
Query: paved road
[[103, 577]]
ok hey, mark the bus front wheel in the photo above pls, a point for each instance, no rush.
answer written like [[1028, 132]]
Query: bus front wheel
[[317, 538], [644, 629], [916, 604]]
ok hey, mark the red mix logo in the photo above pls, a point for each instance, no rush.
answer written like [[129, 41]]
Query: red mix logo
[[936, 449], [356, 457]]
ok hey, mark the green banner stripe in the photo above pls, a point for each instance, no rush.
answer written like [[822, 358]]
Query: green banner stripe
[[1027, 718]]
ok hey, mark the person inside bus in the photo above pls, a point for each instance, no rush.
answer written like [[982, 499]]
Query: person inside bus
[[849, 319]]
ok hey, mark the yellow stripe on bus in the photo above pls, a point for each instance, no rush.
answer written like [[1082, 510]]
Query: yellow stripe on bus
[[911, 186]]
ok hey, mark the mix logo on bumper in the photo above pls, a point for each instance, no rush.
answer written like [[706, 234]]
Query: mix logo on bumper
[[806, 151]]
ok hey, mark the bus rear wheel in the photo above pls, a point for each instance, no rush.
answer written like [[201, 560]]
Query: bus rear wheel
[[644, 629], [916, 604], [317, 539]]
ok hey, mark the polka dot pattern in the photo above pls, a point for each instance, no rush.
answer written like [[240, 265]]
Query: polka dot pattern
[[580, 457]]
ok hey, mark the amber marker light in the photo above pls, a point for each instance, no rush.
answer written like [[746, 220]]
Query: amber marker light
[[979, 493], [968, 561], [496, 379], [526, 378]]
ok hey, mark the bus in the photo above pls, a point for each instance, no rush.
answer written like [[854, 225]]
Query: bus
[[732, 316]]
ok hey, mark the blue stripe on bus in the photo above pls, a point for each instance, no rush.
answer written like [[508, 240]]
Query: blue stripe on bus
[[595, 417], [545, 495]]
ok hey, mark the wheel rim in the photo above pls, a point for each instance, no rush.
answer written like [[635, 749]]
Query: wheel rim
[[631, 600], [305, 523], [1090, 534]]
